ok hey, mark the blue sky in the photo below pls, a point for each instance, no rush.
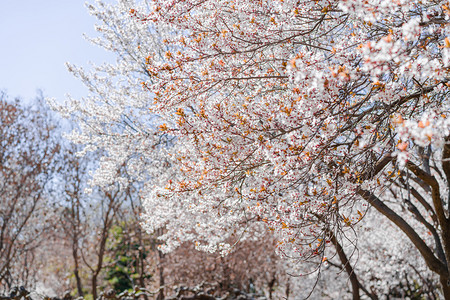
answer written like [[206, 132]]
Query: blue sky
[[37, 38]]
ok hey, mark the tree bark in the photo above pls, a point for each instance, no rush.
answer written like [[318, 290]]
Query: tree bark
[[348, 268], [161, 276], [94, 287], [431, 260], [78, 280], [75, 228], [445, 287], [141, 264]]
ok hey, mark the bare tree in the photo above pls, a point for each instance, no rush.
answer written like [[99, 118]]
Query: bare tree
[[27, 150], [87, 218]]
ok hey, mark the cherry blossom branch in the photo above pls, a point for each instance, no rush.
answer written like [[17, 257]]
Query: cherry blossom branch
[[433, 263]]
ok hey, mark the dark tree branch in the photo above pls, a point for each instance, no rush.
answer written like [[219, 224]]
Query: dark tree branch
[[430, 259]]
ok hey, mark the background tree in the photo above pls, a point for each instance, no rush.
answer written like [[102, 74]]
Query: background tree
[[129, 266], [252, 267], [27, 150], [90, 218], [101, 228], [73, 212]]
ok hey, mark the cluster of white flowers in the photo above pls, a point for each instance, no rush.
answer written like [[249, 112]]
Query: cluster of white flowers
[[245, 115]]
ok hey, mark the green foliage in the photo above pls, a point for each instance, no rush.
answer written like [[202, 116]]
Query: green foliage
[[123, 269]]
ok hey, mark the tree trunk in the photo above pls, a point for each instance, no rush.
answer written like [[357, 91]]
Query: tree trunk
[[161, 276], [76, 269], [94, 287], [141, 267], [348, 268], [78, 280], [445, 287], [288, 290], [433, 263], [271, 285]]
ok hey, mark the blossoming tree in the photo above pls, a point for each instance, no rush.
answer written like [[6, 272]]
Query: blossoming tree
[[296, 116]]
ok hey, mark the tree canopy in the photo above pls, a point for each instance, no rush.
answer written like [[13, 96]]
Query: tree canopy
[[297, 117]]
